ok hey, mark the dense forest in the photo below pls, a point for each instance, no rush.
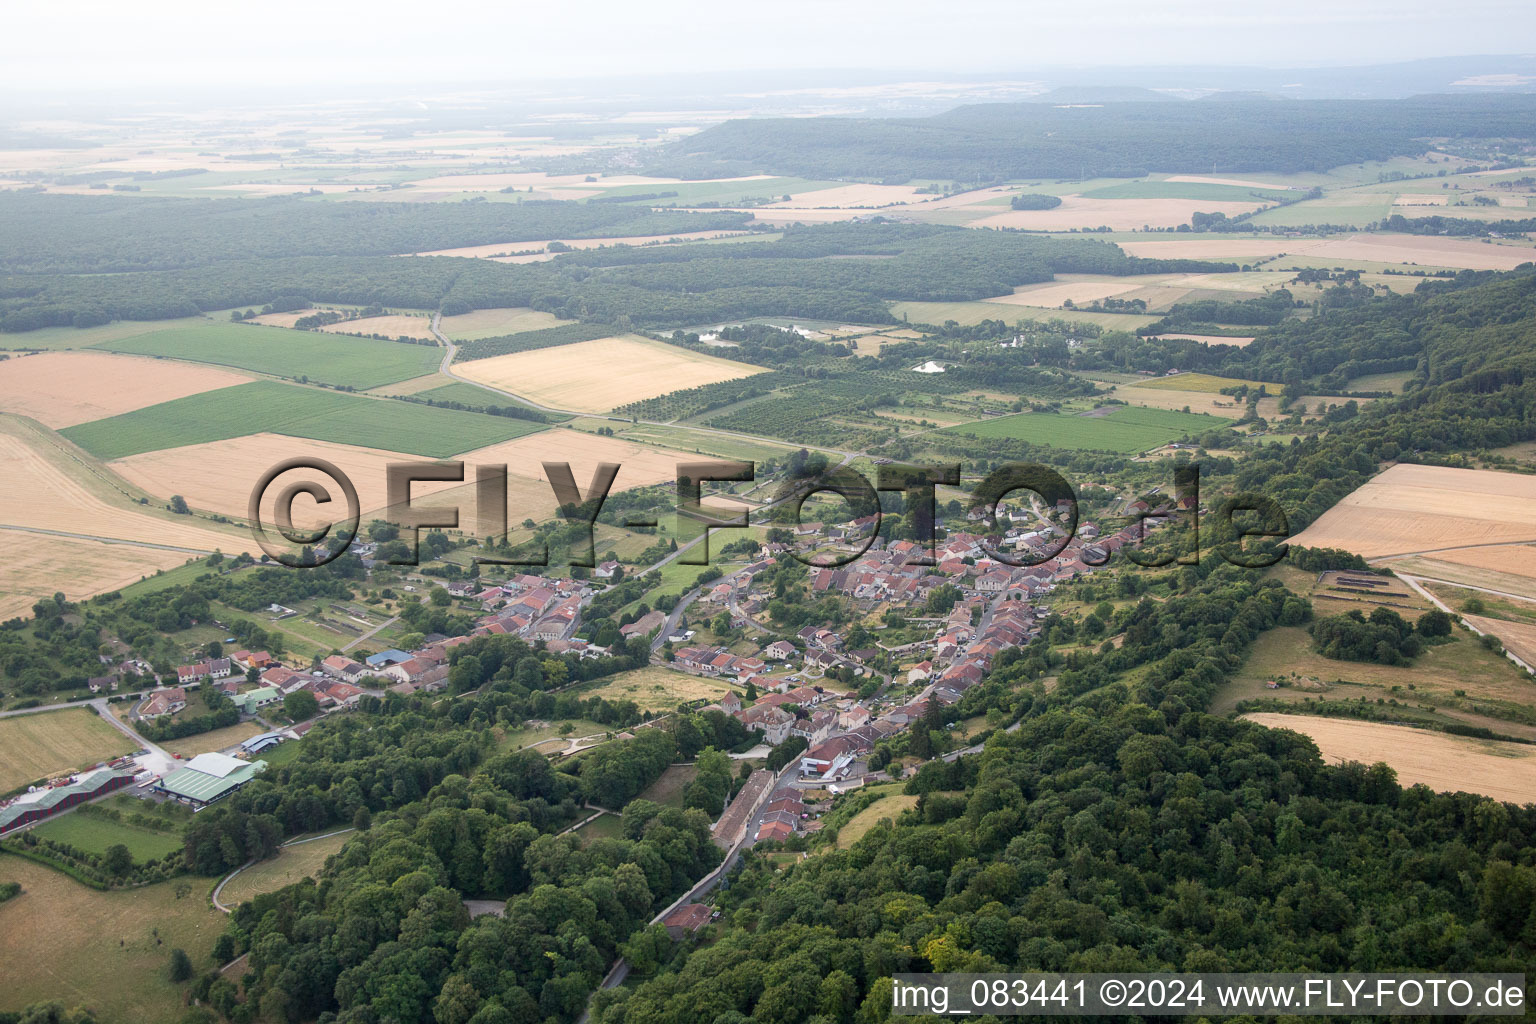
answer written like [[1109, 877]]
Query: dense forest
[[1010, 141], [53, 234], [668, 286]]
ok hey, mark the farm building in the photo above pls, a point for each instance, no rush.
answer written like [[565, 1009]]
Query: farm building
[[209, 777], [267, 740], [39, 804]]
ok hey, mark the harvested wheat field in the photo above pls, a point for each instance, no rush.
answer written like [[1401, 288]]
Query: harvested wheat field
[[1217, 248], [61, 389], [1199, 179], [1447, 764], [38, 565], [596, 376], [282, 319], [1118, 214], [1519, 638], [496, 249], [243, 460], [1425, 250], [1417, 509], [43, 492], [395, 325], [52, 743], [1079, 289], [1507, 559], [850, 196]]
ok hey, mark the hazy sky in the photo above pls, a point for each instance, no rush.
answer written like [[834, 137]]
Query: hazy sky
[[94, 44]]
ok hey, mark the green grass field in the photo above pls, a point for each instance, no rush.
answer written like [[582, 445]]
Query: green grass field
[[1202, 382], [39, 746], [1190, 190], [92, 834], [1127, 430], [268, 406], [335, 359], [609, 826]]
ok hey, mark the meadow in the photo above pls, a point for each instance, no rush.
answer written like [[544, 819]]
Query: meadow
[[60, 940], [292, 864], [1204, 382], [1127, 430], [1203, 190], [94, 834], [359, 363], [269, 406], [658, 689], [890, 804], [40, 746]]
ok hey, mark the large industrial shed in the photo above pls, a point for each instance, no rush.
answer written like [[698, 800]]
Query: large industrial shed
[[209, 777], [39, 804]]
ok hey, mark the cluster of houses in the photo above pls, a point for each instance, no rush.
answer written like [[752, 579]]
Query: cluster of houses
[[533, 607], [996, 608]]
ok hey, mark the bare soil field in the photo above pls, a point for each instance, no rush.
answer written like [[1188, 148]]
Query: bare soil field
[[595, 376], [1447, 764], [52, 743], [1422, 509], [1118, 214], [61, 389], [396, 325], [489, 323]]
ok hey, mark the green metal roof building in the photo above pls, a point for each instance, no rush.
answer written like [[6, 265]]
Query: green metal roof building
[[248, 702], [209, 777]]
